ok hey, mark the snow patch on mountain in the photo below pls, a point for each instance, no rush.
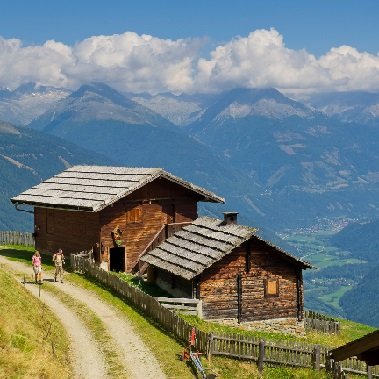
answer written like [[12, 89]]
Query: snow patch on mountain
[[373, 110], [336, 109], [20, 108], [6, 128], [179, 112], [19, 164], [264, 107], [93, 106]]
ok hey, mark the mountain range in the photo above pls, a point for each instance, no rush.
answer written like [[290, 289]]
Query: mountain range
[[98, 118], [306, 162], [355, 106], [21, 106], [280, 162]]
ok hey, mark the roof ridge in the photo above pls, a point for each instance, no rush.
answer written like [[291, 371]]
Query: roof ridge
[[211, 238], [249, 229], [120, 179]]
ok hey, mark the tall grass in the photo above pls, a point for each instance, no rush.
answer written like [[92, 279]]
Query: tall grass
[[33, 344]]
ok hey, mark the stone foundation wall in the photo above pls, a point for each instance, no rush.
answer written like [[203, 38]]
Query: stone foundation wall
[[278, 325]]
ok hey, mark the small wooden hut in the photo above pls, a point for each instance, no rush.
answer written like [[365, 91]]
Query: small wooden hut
[[365, 349], [118, 212], [235, 273]]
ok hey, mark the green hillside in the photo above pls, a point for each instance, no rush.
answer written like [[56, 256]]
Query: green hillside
[[361, 303], [24, 351], [362, 240]]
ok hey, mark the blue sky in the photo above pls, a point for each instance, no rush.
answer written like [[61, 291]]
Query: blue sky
[[314, 25], [291, 45]]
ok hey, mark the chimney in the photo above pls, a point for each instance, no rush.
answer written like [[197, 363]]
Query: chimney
[[230, 218]]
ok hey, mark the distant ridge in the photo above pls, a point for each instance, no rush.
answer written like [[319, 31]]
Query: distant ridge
[[99, 118], [26, 158]]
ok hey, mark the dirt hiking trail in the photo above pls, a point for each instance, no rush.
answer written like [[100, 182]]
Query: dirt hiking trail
[[87, 358]]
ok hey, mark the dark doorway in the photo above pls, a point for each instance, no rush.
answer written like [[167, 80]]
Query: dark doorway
[[117, 259], [169, 210]]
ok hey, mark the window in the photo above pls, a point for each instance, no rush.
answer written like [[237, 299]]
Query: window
[[271, 287], [134, 215]]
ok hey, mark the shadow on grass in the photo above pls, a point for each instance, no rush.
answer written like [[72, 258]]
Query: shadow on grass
[[149, 288], [24, 254], [19, 254]]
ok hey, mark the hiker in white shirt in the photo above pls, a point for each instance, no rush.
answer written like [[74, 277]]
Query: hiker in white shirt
[[58, 259]]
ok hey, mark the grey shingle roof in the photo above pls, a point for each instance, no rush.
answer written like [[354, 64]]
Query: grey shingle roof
[[202, 243], [92, 188]]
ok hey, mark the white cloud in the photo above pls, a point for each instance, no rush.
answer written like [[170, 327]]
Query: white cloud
[[40, 64], [261, 60], [137, 63], [350, 69]]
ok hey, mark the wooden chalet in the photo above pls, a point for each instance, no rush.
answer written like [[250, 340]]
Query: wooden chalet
[[235, 273], [365, 349], [119, 212]]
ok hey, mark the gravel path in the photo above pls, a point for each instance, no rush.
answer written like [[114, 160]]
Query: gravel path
[[139, 361], [87, 361]]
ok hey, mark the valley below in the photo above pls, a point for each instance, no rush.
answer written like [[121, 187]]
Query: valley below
[[337, 271]]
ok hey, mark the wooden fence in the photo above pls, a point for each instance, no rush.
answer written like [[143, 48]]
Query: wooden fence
[[283, 353], [321, 323], [16, 238]]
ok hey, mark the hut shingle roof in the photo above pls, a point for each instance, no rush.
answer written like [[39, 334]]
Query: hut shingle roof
[[92, 188], [202, 243]]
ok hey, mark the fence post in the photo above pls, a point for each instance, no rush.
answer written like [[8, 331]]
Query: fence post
[[338, 371], [209, 346], [261, 356], [199, 309], [369, 372], [316, 358], [328, 362]]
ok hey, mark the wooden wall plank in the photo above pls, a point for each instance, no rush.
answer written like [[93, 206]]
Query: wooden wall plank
[[218, 287]]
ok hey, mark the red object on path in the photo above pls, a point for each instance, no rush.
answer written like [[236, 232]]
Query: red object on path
[[192, 337], [188, 354]]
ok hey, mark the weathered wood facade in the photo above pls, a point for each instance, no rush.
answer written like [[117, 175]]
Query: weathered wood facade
[[142, 214], [237, 285], [72, 231], [235, 273], [82, 208]]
